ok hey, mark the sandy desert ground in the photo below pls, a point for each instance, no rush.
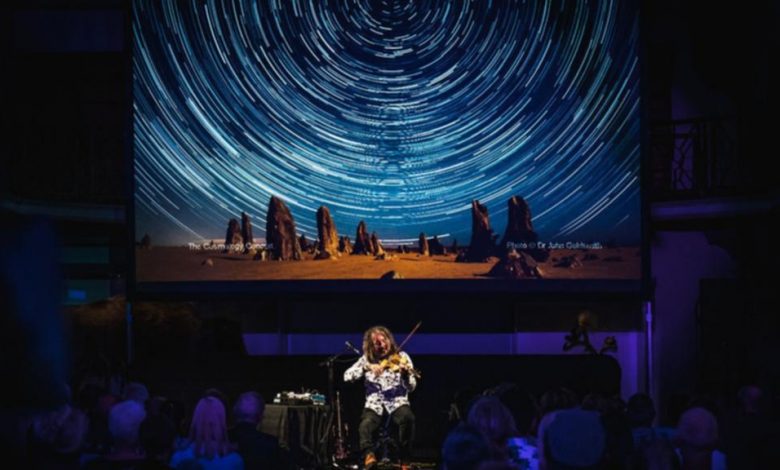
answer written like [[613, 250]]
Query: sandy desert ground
[[166, 264]]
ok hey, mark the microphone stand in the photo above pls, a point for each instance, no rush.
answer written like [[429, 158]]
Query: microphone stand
[[329, 363]]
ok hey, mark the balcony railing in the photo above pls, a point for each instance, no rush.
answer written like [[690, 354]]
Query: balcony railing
[[693, 158]]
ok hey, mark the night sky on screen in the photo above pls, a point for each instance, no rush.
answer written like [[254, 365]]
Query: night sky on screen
[[398, 113]]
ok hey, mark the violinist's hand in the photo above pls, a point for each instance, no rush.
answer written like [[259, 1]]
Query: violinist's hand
[[376, 369]]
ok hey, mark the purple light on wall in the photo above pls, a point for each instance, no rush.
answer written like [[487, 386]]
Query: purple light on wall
[[680, 261]]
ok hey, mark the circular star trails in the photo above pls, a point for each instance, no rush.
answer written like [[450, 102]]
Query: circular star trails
[[398, 113]]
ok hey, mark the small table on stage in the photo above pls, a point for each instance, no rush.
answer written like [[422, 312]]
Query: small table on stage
[[302, 431]]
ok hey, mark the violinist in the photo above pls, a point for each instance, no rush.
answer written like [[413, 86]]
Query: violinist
[[389, 376]]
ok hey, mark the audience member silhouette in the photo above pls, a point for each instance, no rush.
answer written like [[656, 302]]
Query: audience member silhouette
[[619, 443], [258, 449], [640, 413], [124, 423], [753, 437], [573, 438], [136, 391], [495, 422], [464, 448], [522, 448], [157, 436], [208, 441], [558, 399], [58, 438], [697, 436]]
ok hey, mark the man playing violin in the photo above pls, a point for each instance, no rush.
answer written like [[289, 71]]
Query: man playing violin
[[389, 376]]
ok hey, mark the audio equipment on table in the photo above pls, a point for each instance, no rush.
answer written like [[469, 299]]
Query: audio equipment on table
[[304, 398]]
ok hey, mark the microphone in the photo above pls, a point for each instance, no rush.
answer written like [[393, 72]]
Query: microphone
[[353, 348]]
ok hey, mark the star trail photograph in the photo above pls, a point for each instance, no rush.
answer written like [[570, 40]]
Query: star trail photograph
[[386, 139]]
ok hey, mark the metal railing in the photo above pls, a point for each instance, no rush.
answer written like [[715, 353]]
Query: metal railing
[[693, 158]]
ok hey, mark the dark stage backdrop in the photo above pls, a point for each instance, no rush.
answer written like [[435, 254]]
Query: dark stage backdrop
[[398, 114]]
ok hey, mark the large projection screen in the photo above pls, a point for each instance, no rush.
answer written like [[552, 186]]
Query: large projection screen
[[480, 143]]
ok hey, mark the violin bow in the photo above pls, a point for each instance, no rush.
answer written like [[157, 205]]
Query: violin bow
[[401, 346]]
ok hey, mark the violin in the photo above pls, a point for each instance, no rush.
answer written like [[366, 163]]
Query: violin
[[398, 363]]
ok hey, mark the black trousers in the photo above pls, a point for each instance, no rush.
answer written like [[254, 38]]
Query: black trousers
[[402, 417]]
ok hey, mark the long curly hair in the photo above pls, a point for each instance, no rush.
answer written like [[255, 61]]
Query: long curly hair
[[208, 431], [368, 349]]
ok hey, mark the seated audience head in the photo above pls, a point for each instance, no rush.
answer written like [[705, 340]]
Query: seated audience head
[[124, 422], [157, 436], [522, 406], [154, 405], [62, 431], [697, 429], [494, 420], [461, 401], [573, 438], [208, 430], [137, 392], [218, 394], [249, 408], [604, 404], [105, 403], [595, 402], [751, 400], [465, 448], [640, 411], [558, 399], [88, 395], [176, 412]]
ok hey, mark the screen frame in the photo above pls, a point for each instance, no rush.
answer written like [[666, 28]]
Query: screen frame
[[530, 289]]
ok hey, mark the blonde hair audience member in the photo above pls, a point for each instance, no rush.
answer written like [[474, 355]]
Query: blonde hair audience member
[[209, 444]]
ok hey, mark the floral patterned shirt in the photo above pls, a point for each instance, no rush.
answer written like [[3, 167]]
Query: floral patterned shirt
[[387, 391]]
